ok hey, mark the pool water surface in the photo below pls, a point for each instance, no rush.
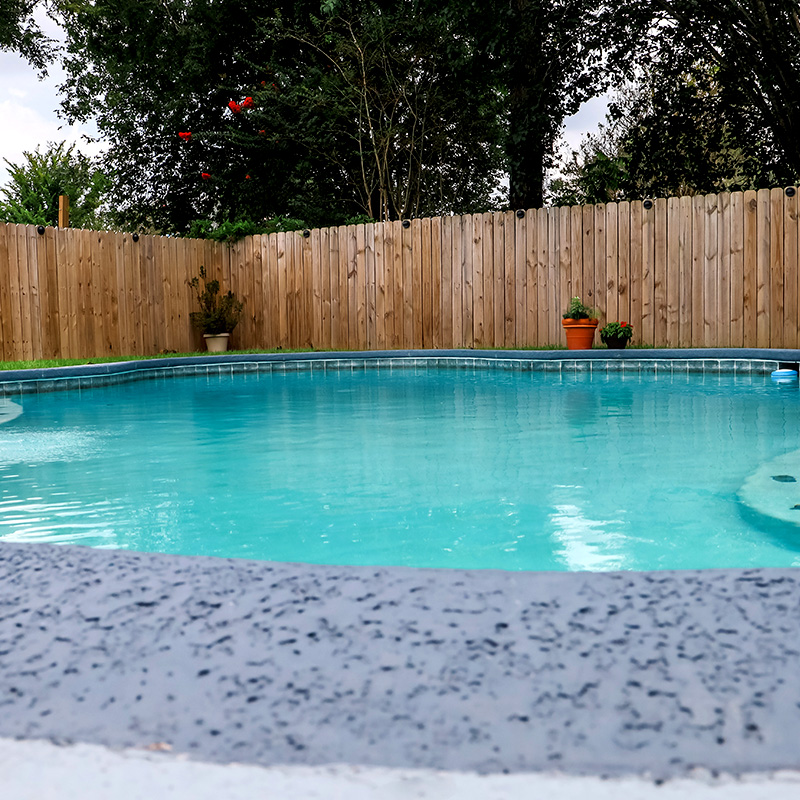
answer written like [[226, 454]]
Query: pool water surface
[[427, 468]]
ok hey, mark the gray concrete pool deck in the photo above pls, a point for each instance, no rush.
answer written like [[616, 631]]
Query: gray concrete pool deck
[[492, 675]]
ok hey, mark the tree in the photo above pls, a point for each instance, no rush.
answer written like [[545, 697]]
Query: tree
[[31, 196], [546, 57], [756, 47], [675, 131], [20, 33], [364, 108]]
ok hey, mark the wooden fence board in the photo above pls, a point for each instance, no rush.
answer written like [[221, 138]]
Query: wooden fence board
[[520, 275], [624, 264], [8, 350], [791, 304], [543, 280], [685, 272], [478, 282], [531, 280], [436, 280], [611, 295], [499, 275], [648, 274], [672, 273], [487, 262], [564, 265], [660, 283], [776, 304], [763, 303], [426, 322], [447, 282], [511, 279], [698, 261], [598, 291], [635, 270]]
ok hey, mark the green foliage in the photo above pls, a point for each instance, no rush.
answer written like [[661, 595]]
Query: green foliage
[[31, 196], [232, 231], [371, 108], [616, 331], [676, 131], [218, 313], [20, 33], [578, 310]]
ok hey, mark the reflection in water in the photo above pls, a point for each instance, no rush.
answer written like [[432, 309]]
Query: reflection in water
[[586, 544], [9, 410]]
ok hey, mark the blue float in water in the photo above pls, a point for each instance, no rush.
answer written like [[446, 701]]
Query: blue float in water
[[784, 375]]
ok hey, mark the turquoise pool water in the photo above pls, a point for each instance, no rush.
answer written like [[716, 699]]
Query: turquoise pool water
[[449, 468]]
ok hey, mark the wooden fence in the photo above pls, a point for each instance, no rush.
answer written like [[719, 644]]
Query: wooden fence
[[704, 271]]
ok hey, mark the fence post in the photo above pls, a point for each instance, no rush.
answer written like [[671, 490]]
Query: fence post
[[63, 211]]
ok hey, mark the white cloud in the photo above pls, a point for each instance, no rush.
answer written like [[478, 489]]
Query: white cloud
[[28, 116]]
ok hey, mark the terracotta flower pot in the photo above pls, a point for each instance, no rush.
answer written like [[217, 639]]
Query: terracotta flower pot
[[580, 333]]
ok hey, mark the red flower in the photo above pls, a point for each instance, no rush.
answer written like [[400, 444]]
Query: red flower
[[247, 102], [262, 132], [623, 324], [205, 175], [185, 135], [234, 106], [247, 177]]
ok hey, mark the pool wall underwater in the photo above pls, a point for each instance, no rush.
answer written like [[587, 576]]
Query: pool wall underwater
[[275, 663]]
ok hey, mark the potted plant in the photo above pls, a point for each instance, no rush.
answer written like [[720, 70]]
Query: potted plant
[[616, 335], [579, 325], [218, 315]]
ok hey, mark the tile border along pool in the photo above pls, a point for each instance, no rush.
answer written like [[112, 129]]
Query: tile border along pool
[[271, 663], [633, 362]]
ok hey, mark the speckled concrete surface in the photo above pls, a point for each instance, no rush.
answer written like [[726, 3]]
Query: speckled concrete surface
[[268, 664]]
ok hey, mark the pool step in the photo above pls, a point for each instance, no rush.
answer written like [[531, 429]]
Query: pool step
[[773, 490]]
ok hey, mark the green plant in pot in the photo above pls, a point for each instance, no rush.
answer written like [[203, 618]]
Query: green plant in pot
[[219, 313], [579, 324], [616, 335]]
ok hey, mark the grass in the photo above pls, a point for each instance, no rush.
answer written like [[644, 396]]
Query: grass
[[44, 363]]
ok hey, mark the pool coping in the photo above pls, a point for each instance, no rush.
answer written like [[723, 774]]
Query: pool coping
[[715, 361], [647, 673]]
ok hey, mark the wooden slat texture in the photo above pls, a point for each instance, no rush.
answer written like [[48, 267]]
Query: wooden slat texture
[[635, 266], [478, 282], [671, 272], [531, 280], [776, 304], [704, 271], [426, 322], [791, 305], [648, 327], [564, 265], [763, 262], [684, 272], [610, 294], [446, 303], [520, 275], [511, 280], [660, 283], [8, 315], [624, 263], [710, 270], [499, 279], [698, 263], [436, 281], [546, 310]]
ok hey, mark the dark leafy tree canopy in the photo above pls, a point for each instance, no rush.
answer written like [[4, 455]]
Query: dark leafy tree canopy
[[19, 32]]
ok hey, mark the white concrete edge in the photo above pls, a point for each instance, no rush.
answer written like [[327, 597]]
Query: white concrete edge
[[41, 770]]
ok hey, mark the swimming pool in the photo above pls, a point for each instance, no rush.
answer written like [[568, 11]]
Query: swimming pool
[[429, 466]]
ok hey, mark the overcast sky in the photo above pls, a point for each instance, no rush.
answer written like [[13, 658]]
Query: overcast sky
[[28, 112]]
